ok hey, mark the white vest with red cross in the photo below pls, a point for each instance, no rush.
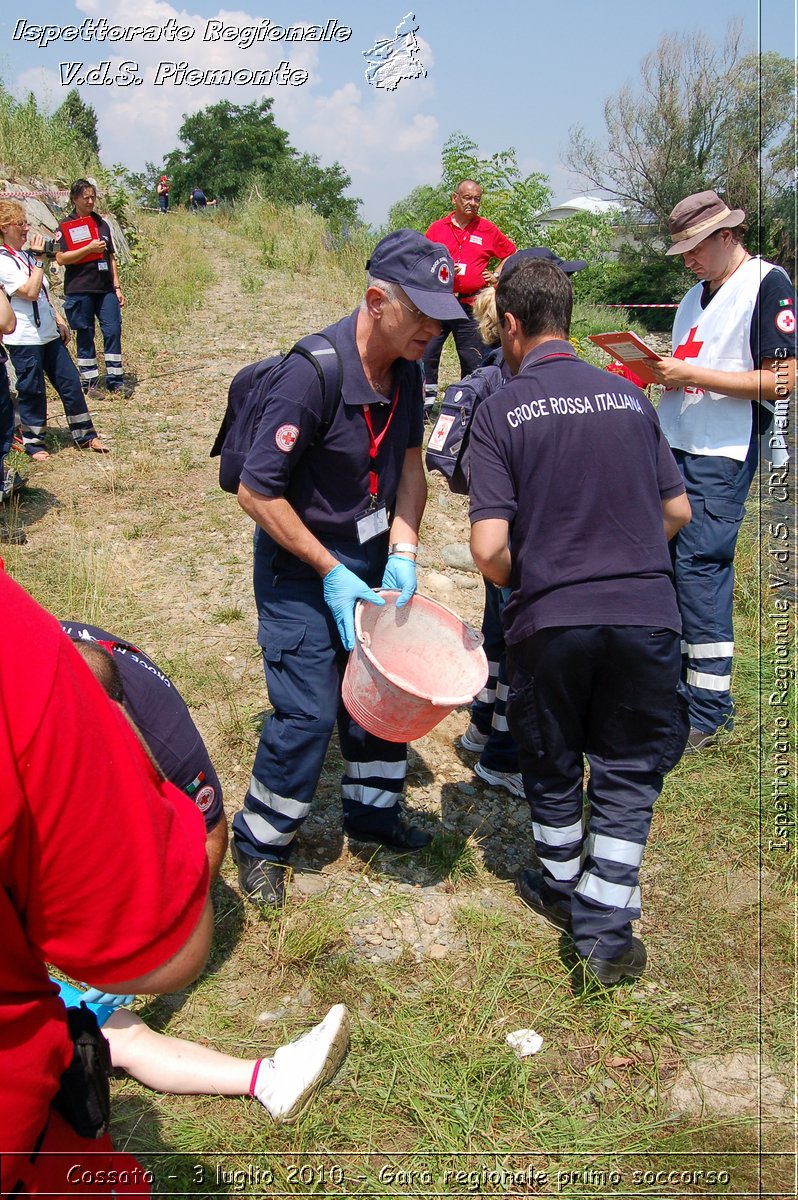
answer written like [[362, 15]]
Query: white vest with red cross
[[716, 337]]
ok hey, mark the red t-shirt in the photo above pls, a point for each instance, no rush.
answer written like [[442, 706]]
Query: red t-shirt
[[471, 248], [103, 869]]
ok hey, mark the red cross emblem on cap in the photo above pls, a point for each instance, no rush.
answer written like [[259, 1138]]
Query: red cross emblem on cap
[[689, 348], [443, 273]]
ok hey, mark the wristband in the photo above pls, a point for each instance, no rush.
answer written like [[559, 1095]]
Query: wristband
[[403, 548]]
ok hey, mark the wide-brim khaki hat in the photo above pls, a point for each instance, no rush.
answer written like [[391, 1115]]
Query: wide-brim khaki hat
[[696, 217]]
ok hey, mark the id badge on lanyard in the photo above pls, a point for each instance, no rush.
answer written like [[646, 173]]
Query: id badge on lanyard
[[374, 520], [372, 524]]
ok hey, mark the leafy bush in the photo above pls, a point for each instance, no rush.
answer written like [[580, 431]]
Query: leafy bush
[[45, 147]]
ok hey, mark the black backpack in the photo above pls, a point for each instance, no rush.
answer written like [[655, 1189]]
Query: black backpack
[[248, 395], [447, 448]]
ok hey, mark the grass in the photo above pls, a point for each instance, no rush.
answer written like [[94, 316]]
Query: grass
[[146, 546]]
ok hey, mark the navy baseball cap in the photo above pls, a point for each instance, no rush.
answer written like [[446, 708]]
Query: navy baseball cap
[[423, 269], [569, 266]]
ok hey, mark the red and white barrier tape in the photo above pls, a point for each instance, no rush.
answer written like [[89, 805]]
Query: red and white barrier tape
[[32, 195], [641, 306]]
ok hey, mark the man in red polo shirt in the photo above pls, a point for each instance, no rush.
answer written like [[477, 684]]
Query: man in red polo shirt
[[473, 243]]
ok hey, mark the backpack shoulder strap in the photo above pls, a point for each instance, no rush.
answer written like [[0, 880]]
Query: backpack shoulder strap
[[318, 349]]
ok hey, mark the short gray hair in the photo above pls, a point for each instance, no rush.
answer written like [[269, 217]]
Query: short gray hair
[[383, 285]]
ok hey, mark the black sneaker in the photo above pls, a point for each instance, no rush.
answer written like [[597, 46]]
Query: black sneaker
[[607, 971], [261, 880], [534, 891], [398, 835], [699, 739], [12, 484]]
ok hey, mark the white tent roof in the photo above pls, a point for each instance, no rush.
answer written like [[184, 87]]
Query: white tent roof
[[591, 204]]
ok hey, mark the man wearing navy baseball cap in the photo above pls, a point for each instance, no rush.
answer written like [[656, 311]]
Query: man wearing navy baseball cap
[[336, 487]]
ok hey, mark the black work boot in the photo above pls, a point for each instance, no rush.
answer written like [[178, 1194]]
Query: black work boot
[[261, 880], [607, 971], [535, 893], [399, 834]]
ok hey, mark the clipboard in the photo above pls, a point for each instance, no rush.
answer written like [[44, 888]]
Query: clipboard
[[78, 232], [627, 348]]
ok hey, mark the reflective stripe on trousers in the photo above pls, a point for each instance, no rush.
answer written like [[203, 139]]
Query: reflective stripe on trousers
[[575, 695], [304, 662]]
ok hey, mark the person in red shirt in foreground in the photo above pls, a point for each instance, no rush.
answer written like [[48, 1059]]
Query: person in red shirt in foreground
[[102, 873], [473, 243]]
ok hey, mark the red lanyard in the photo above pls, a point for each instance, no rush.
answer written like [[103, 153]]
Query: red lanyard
[[376, 442], [18, 257]]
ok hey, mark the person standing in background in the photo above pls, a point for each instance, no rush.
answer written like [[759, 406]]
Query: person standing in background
[[92, 291], [473, 243], [734, 349], [162, 192]]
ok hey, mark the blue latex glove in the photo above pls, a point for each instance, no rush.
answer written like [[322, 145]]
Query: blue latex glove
[[342, 589], [106, 999], [400, 576]]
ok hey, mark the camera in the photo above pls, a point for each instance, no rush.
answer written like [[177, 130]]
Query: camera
[[49, 247]]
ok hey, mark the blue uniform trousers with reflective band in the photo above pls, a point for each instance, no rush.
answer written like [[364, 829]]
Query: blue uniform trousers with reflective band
[[304, 661], [703, 563], [470, 347], [489, 710], [31, 364], [81, 311], [609, 694]]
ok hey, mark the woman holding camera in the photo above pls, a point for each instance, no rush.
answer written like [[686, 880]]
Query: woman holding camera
[[38, 344], [91, 288]]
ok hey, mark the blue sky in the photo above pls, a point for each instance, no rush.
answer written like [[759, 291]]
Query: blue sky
[[519, 73]]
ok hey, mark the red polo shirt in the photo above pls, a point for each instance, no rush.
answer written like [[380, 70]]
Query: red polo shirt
[[472, 249]]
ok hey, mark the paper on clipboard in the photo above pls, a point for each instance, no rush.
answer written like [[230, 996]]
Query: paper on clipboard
[[627, 348], [77, 232]]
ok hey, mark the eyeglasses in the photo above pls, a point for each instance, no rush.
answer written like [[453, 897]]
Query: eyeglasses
[[21, 224], [414, 312]]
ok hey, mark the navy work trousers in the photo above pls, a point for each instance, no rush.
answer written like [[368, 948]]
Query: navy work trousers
[[489, 710], [32, 364], [470, 347], [609, 694], [703, 563], [81, 311], [304, 662]]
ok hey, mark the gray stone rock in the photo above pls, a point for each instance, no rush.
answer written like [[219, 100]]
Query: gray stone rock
[[459, 558]]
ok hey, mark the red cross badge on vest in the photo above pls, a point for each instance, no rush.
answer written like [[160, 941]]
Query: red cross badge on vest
[[689, 348]]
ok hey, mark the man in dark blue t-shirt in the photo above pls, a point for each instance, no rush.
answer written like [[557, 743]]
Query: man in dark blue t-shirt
[[161, 717], [338, 503], [574, 494]]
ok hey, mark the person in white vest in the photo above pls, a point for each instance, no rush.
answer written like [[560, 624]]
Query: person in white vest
[[733, 363]]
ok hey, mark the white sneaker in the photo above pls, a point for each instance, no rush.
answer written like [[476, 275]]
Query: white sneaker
[[510, 780], [474, 740], [286, 1083]]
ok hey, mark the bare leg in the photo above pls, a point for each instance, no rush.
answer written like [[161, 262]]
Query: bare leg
[[169, 1064]]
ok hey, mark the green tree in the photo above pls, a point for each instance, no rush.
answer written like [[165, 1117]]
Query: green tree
[[224, 146], [301, 179], [703, 115], [79, 118]]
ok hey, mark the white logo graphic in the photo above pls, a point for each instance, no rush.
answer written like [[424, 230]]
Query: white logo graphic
[[390, 60]]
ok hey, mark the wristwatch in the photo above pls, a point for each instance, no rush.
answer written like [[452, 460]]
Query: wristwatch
[[403, 548]]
